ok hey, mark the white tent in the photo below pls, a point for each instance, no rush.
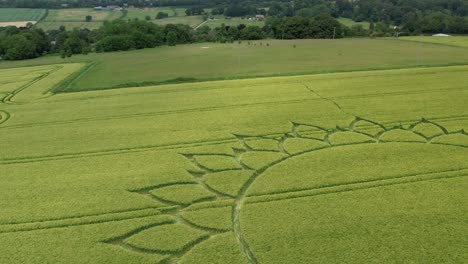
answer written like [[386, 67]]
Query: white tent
[[441, 35]]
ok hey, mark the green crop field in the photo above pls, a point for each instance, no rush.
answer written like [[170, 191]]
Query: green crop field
[[75, 17], [460, 41], [208, 61], [21, 14], [355, 167]]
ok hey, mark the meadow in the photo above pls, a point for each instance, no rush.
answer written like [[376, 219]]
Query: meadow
[[212, 61], [363, 166], [21, 14], [141, 13], [235, 21], [75, 18], [349, 22], [459, 41], [192, 21]]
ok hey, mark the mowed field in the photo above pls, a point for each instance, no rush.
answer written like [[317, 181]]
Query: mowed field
[[211, 61], [355, 167]]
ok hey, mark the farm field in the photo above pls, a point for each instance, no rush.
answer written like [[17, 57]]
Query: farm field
[[203, 61], [140, 13], [21, 14], [460, 41], [233, 22], [349, 22], [356, 167], [192, 21], [75, 17]]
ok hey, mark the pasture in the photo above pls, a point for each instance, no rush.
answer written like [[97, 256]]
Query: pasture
[[213, 61], [357, 167], [140, 13], [21, 14], [349, 22], [192, 21], [235, 21], [459, 41], [75, 18]]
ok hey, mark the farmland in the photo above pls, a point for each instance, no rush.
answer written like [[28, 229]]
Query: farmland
[[202, 61], [141, 13], [349, 22], [192, 21], [261, 170], [75, 17], [459, 41], [21, 14], [233, 22]]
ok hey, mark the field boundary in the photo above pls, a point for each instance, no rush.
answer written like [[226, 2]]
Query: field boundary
[[66, 83]]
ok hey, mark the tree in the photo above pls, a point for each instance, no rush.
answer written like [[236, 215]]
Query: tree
[[194, 11], [17, 47], [74, 44], [114, 43], [162, 15], [88, 18], [217, 11], [147, 18], [251, 33], [325, 26], [171, 38]]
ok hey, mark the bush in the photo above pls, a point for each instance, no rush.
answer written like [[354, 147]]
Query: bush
[[171, 38], [162, 15]]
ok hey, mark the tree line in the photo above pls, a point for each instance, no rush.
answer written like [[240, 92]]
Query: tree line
[[121, 35]]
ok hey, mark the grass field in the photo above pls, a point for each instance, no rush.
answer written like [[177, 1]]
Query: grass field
[[354, 167], [140, 13], [459, 41], [349, 22], [233, 22], [75, 18], [21, 14], [192, 21], [137, 13], [231, 61]]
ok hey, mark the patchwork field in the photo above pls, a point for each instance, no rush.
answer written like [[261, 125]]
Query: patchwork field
[[75, 17], [356, 167], [460, 41], [211, 61]]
